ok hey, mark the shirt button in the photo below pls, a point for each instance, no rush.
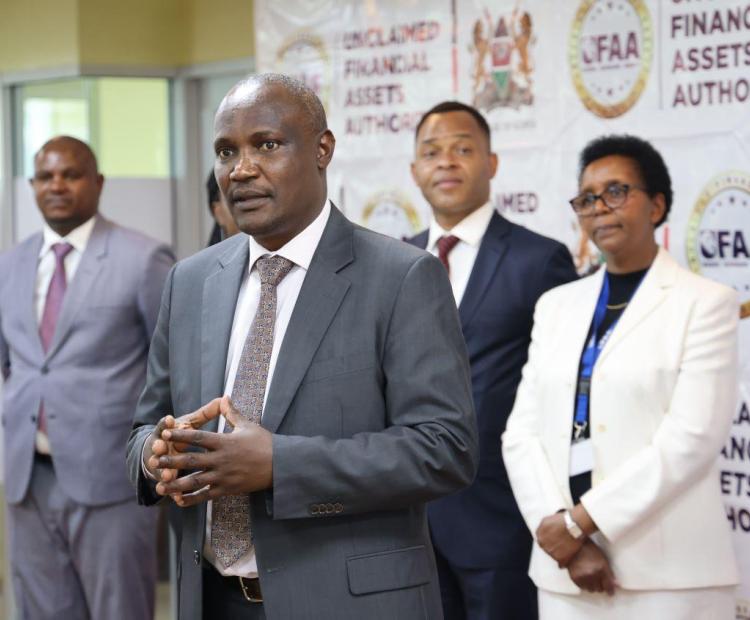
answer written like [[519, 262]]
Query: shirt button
[[44, 369]]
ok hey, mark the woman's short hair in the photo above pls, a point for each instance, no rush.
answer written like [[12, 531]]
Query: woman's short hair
[[653, 171]]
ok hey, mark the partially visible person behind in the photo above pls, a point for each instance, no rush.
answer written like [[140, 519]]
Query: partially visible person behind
[[78, 304], [224, 224], [497, 271], [625, 402]]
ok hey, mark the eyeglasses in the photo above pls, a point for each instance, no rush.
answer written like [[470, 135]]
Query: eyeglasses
[[613, 197]]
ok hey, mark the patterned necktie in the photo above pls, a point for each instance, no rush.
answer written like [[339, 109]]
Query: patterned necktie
[[445, 245], [230, 527], [52, 305]]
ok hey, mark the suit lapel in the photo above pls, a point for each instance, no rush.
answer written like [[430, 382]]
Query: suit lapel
[[220, 292], [420, 240], [319, 299], [577, 327], [76, 294], [26, 278], [652, 292], [491, 252]]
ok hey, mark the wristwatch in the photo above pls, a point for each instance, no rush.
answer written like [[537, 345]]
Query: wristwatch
[[573, 528]]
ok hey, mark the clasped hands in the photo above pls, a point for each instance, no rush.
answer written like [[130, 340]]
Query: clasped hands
[[233, 463], [587, 565]]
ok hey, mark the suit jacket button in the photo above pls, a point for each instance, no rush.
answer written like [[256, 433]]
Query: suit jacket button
[[314, 509], [329, 508], [339, 508], [197, 557]]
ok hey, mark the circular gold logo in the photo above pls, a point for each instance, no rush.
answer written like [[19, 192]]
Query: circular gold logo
[[304, 56], [610, 52], [391, 213], [719, 233]]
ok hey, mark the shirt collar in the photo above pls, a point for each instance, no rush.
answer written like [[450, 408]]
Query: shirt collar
[[299, 249], [470, 230], [78, 237]]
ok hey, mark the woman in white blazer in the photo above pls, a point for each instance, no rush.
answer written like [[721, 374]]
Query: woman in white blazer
[[625, 402]]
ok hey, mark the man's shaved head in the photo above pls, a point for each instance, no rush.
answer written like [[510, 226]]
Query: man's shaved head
[[272, 150], [66, 183], [64, 143], [258, 86]]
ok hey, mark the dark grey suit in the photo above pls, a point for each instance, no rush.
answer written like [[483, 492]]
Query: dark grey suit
[[370, 406], [89, 380]]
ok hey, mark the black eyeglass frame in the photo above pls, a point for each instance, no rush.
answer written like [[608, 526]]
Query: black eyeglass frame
[[587, 210]]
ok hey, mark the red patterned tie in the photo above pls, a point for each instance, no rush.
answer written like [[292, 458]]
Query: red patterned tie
[[445, 245], [55, 294]]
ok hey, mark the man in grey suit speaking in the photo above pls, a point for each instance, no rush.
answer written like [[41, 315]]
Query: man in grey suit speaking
[[78, 304], [350, 392]]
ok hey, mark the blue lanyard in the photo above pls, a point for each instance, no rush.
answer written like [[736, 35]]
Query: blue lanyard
[[588, 360]]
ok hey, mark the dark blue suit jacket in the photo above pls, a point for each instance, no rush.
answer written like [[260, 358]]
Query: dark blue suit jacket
[[481, 527]]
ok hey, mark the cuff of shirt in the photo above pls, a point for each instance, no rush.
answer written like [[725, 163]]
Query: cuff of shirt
[[145, 471]]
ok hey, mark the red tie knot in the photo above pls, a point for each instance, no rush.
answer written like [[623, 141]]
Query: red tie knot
[[445, 244]]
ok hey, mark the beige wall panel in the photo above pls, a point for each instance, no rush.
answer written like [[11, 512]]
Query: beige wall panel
[[136, 33], [38, 34], [220, 30]]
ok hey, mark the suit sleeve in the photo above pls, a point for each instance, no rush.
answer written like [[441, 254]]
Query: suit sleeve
[[429, 445], [687, 442], [4, 352], [159, 261], [529, 471], [558, 269], [155, 401], [4, 356]]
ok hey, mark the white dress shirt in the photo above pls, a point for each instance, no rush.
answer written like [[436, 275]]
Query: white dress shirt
[[78, 238], [300, 251], [470, 232]]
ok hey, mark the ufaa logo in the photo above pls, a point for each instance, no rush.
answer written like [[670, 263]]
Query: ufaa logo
[[610, 51], [718, 234], [391, 213], [304, 56]]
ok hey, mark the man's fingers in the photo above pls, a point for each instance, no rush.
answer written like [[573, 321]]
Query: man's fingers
[[201, 495], [159, 447], [186, 460], [167, 475], [206, 413], [231, 414], [199, 439], [187, 484]]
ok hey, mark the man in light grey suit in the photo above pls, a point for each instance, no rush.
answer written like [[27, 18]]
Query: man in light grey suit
[[78, 305], [367, 413]]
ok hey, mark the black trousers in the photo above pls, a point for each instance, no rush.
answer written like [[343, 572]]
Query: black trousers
[[485, 593], [223, 601]]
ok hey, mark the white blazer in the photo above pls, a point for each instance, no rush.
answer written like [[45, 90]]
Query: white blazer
[[663, 395]]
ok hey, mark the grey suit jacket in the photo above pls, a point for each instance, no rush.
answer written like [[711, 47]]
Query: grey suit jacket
[[371, 410], [95, 368]]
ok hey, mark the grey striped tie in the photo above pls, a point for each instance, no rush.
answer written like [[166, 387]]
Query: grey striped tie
[[230, 527]]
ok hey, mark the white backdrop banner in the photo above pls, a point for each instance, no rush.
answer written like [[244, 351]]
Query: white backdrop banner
[[549, 76]]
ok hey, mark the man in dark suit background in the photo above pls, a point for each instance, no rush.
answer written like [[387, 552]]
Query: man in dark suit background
[[78, 305], [497, 270], [349, 413]]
